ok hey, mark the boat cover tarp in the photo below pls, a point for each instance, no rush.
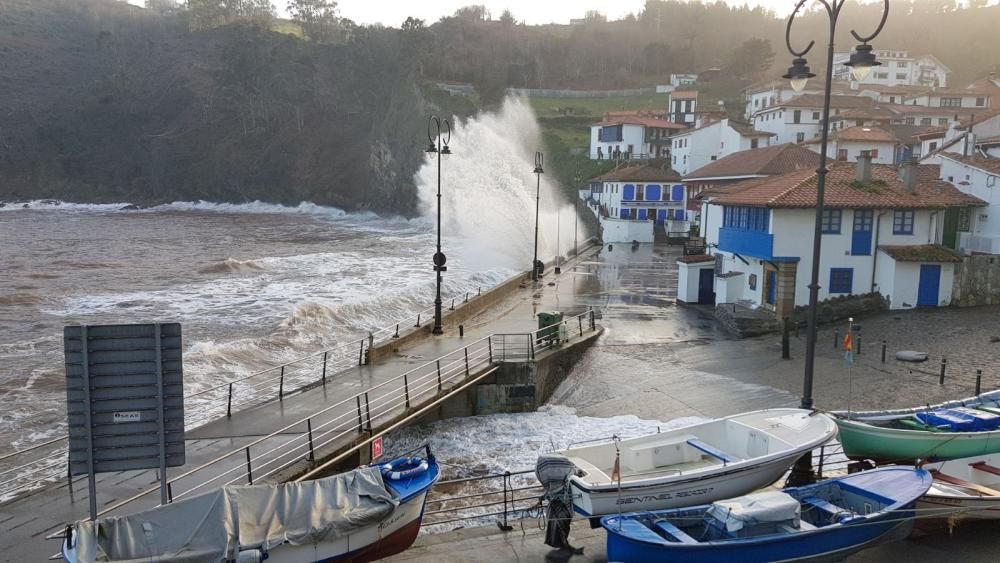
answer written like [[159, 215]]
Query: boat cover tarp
[[211, 527], [758, 508], [960, 419], [552, 471]]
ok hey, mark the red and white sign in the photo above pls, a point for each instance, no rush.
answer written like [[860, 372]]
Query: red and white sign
[[376, 448]]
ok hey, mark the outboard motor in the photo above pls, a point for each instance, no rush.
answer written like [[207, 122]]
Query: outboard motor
[[553, 471]]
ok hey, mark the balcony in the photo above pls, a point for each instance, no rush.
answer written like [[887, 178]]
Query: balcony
[[747, 243]]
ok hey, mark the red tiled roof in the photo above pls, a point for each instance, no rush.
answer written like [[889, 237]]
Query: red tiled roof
[[765, 161], [643, 121], [816, 101], [798, 190], [640, 173], [876, 113], [991, 165], [660, 114], [921, 253], [865, 134], [932, 133]]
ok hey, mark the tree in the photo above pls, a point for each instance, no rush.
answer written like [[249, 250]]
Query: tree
[[507, 18], [593, 16], [750, 60], [318, 18], [477, 13], [162, 6]]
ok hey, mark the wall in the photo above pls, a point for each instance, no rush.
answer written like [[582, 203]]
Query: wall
[[625, 231], [977, 282], [793, 229], [986, 221], [688, 279], [634, 135], [903, 294], [886, 151], [737, 289]]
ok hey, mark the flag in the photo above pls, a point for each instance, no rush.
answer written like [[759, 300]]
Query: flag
[[616, 472], [849, 347]]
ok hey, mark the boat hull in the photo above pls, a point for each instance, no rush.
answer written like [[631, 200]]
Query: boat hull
[[833, 545], [891, 445], [972, 508], [700, 489]]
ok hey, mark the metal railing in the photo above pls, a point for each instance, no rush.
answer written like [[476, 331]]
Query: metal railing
[[519, 347], [519, 493], [31, 468]]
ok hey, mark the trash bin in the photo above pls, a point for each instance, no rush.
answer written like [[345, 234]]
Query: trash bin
[[548, 325]]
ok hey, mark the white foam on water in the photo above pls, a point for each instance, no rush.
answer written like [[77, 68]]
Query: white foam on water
[[488, 191], [56, 205]]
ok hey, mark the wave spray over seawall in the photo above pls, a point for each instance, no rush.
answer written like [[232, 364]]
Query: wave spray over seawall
[[488, 192]]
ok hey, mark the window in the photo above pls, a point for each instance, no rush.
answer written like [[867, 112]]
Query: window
[[892, 99], [800, 137], [901, 64], [816, 115], [911, 121], [942, 121], [951, 102], [797, 116], [980, 102], [745, 218], [651, 214], [756, 103], [754, 143], [882, 75], [842, 155], [874, 153], [932, 146], [841, 280], [831, 221], [925, 121], [902, 223], [640, 192], [900, 76]]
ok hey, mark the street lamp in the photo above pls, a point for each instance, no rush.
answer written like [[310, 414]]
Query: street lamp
[[438, 143], [799, 74], [539, 158]]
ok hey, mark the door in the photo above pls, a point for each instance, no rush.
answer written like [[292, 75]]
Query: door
[[706, 291], [770, 287], [661, 216], [949, 236], [930, 285], [861, 241]]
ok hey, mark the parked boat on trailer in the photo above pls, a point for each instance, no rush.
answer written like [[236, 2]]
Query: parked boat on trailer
[[362, 515], [826, 521], [952, 430], [687, 466], [967, 488]]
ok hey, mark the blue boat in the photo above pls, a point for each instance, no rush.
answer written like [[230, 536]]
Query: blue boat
[[825, 521]]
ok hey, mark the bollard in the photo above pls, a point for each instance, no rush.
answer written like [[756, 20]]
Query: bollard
[[836, 338], [479, 292], [170, 492], [461, 331], [979, 381], [466, 296], [397, 331], [324, 367], [229, 405], [944, 362], [281, 384], [786, 334], [859, 343], [883, 351]]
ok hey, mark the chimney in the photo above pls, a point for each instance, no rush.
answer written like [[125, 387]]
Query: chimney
[[864, 168], [908, 175]]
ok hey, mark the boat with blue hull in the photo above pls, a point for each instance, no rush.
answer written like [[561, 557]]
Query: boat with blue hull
[[362, 515], [826, 521]]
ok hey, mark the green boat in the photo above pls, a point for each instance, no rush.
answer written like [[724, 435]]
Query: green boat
[[901, 436]]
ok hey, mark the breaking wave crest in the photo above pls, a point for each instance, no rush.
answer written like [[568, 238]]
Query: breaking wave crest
[[231, 266]]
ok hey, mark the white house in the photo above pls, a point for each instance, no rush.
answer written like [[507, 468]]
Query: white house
[[683, 79], [897, 68], [978, 176], [847, 145], [697, 147], [639, 203], [763, 95], [798, 119], [952, 98], [636, 137], [881, 230]]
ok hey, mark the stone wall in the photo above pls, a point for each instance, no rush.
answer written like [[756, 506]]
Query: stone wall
[[745, 322], [977, 282], [838, 308]]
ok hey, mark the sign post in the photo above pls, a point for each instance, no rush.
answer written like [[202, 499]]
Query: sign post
[[124, 401]]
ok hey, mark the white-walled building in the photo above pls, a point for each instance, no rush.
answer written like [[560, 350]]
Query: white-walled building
[[897, 68], [978, 176], [639, 203], [683, 106], [798, 119], [882, 232], [763, 95], [952, 98], [677, 80], [631, 138], [697, 147]]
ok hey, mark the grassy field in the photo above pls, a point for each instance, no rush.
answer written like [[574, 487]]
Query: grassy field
[[596, 107]]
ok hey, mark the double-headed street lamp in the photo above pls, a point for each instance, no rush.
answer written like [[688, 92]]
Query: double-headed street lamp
[[861, 63], [438, 143], [539, 158]]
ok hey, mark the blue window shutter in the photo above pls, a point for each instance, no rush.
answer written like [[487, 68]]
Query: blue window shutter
[[841, 280], [677, 193], [652, 192], [623, 213], [628, 193]]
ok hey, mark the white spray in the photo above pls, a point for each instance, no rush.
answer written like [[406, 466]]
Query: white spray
[[488, 193]]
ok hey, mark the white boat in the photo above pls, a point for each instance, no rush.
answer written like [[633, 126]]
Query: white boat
[[964, 488], [348, 518], [693, 465]]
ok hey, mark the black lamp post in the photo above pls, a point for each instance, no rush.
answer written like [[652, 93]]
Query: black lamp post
[[438, 143], [861, 63], [539, 158]]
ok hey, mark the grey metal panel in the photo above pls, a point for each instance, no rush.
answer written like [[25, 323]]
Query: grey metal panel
[[122, 399]]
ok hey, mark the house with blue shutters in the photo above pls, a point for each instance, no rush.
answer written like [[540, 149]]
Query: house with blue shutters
[[639, 203], [882, 230]]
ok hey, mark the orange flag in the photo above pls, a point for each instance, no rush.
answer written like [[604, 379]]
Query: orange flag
[[848, 342]]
